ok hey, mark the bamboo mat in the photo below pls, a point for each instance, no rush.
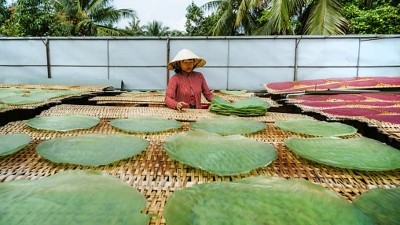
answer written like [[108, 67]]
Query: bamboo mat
[[157, 177], [111, 112], [155, 98]]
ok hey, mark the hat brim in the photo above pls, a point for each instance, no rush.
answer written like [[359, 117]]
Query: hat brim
[[199, 62]]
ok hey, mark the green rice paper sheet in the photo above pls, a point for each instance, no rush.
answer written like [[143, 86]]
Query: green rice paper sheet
[[63, 123], [136, 92], [220, 155], [251, 106], [355, 153], [382, 205], [261, 200], [11, 143], [25, 99], [228, 125], [233, 92], [71, 197], [33, 96], [5, 92], [315, 127], [91, 149], [145, 124]]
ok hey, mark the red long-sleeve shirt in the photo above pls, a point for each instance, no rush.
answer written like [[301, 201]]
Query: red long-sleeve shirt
[[179, 89]]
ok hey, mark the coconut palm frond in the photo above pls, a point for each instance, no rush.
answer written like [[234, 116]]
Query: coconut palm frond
[[325, 18], [279, 18]]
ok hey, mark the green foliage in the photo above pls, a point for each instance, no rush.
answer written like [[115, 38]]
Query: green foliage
[[29, 18], [4, 11], [155, 28], [384, 19], [197, 24], [93, 17]]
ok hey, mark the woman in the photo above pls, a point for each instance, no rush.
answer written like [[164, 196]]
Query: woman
[[186, 86]]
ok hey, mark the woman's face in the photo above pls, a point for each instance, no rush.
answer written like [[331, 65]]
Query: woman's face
[[187, 65]]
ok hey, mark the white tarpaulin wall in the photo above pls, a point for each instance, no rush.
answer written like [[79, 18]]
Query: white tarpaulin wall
[[232, 62]]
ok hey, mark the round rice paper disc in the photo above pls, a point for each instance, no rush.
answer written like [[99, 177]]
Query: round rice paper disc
[[92, 149], [228, 125], [24, 99], [260, 200], [72, 197], [11, 143], [63, 123], [382, 205], [233, 92], [145, 124], [315, 127], [355, 153], [221, 155]]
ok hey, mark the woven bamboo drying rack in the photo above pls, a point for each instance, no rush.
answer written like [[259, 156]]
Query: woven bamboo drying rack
[[157, 177], [56, 100], [157, 99]]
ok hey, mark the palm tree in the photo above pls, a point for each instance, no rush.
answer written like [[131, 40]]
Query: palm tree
[[155, 28], [313, 17], [235, 16], [93, 17]]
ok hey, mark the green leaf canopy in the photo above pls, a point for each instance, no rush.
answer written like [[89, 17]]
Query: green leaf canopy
[[145, 124], [92, 149], [228, 125], [355, 153], [252, 106], [315, 127], [382, 205], [63, 123], [72, 197], [260, 200], [11, 143], [221, 155]]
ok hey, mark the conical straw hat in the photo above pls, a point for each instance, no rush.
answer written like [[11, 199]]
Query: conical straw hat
[[186, 54]]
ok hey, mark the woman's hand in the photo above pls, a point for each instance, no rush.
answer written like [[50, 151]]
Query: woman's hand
[[181, 105]]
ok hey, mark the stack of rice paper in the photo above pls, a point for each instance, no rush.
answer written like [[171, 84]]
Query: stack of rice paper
[[252, 106]]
